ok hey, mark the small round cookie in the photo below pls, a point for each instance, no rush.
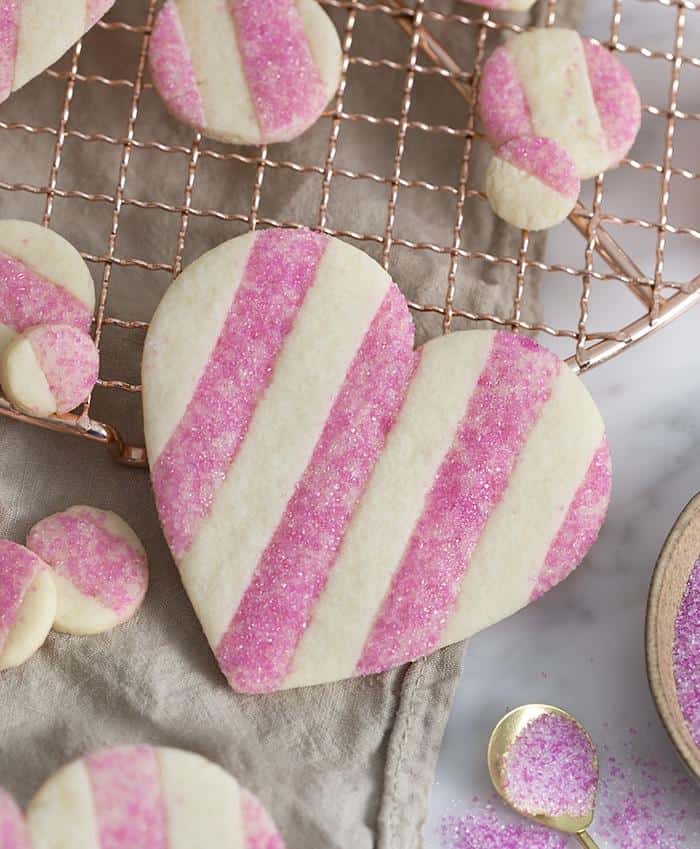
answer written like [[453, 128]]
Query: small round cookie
[[49, 369], [552, 83], [532, 183], [99, 567], [33, 35], [245, 71], [27, 603], [13, 831], [142, 797], [43, 280]]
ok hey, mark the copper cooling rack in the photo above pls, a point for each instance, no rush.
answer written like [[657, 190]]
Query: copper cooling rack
[[598, 262]]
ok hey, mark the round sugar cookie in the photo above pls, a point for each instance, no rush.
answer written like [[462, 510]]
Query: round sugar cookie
[[532, 183], [138, 797], [43, 280], [99, 567], [27, 603], [245, 71], [551, 82], [49, 369], [13, 831], [34, 34], [298, 436]]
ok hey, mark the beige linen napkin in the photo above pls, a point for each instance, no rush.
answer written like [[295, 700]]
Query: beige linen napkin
[[345, 766]]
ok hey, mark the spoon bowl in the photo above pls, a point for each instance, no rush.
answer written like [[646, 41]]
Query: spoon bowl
[[504, 735]]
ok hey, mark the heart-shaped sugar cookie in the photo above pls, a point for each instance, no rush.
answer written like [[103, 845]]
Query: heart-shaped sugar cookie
[[35, 33], [338, 503]]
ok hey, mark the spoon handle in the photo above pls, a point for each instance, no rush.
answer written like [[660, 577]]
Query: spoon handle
[[586, 840]]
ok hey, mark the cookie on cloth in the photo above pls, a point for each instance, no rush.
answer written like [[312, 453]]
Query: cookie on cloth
[[35, 33], [27, 603], [99, 567], [330, 511], [532, 183], [245, 71], [143, 797], [13, 830], [43, 280], [49, 369], [553, 83]]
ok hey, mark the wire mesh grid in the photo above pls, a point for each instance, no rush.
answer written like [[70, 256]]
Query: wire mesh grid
[[599, 260]]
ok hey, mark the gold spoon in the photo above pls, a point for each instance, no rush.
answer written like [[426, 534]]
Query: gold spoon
[[502, 738]]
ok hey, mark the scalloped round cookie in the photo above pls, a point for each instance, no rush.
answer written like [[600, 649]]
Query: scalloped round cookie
[[27, 603], [142, 797], [35, 33], [245, 71], [99, 567], [551, 82], [532, 183], [43, 280], [49, 369]]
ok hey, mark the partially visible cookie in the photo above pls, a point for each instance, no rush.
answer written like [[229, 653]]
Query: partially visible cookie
[[43, 280], [550, 82], [34, 34], [49, 369], [245, 71], [27, 603], [13, 831], [532, 183], [99, 566], [142, 797]]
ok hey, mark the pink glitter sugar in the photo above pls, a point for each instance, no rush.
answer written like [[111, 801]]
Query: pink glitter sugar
[[18, 568], [9, 30], [69, 359], [13, 834], [503, 109], [686, 654], [260, 831], [79, 547], [551, 769], [546, 160], [489, 828]]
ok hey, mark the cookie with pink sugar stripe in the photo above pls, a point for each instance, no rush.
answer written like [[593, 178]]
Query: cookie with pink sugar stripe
[[532, 183], [43, 280], [553, 83], [13, 831], [99, 567], [245, 71], [330, 512], [143, 797], [27, 603], [33, 35], [49, 369]]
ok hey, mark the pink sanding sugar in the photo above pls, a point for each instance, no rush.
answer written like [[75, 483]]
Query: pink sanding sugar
[[551, 768], [686, 654]]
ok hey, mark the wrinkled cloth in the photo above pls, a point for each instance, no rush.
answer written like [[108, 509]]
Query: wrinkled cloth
[[343, 766]]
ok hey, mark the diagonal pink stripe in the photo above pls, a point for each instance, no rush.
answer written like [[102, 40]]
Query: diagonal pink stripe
[[581, 526], [13, 833], [128, 799], [9, 37], [95, 10], [514, 385], [28, 299], [259, 830], [256, 652], [18, 568], [285, 84], [503, 108], [172, 69], [280, 270]]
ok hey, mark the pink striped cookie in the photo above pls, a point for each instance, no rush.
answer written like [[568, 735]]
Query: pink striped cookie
[[142, 797], [34, 34], [13, 831], [331, 512], [532, 183], [245, 71], [99, 566], [553, 83], [43, 280], [27, 603], [49, 369]]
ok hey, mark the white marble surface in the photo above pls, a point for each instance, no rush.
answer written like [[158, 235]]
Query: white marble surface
[[587, 635]]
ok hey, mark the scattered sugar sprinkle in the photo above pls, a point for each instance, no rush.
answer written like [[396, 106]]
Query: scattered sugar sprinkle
[[642, 804], [551, 768], [686, 654]]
